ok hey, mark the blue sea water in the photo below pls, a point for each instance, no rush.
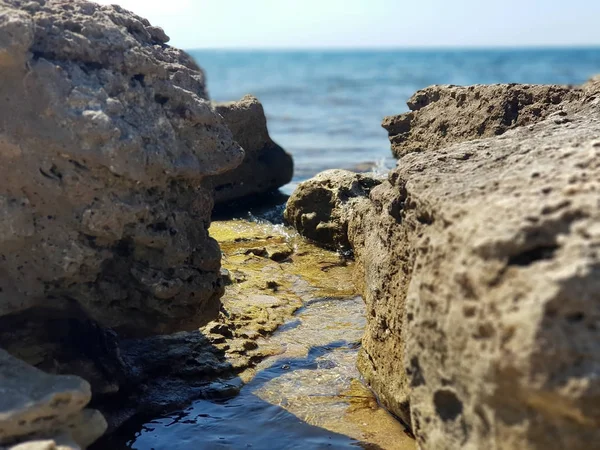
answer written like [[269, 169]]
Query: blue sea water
[[326, 107]]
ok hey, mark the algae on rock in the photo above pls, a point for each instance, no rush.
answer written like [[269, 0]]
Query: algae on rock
[[265, 291]]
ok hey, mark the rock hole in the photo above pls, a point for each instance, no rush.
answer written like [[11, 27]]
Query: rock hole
[[78, 165], [469, 311], [46, 174], [160, 99], [443, 128], [158, 227], [447, 405], [140, 78], [533, 255], [124, 248], [575, 317], [73, 26], [425, 218], [54, 171]]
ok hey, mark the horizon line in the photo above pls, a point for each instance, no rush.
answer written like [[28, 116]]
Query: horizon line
[[406, 48]]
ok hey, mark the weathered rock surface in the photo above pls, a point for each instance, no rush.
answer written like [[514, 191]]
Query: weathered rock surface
[[266, 166], [35, 406], [481, 269], [106, 137], [320, 207], [441, 115]]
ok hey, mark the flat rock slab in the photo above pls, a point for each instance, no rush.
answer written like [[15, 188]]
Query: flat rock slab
[[36, 403]]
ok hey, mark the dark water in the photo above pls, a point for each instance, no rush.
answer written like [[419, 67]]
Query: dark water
[[326, 107]]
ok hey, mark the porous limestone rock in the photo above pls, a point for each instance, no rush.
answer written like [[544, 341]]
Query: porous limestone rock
[[266, 166], [35, 406], [105, 138], [444, 114], [319, 208], [480, 264]]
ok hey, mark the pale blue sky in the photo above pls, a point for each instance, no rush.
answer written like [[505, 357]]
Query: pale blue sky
[[372, 23]]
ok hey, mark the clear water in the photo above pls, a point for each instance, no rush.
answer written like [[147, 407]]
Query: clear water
[[300, 399], [326, 107]]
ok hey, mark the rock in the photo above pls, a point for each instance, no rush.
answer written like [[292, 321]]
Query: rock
[[444, 114], [106, 136], [319, 208], [266, 165], [57, 443], [36, 404], [591, 88], [364, 167], [279, 253], [481, 269]]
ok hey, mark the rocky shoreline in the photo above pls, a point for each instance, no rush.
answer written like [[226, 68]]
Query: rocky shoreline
[[478, 256], [112, 159], [480, 267]]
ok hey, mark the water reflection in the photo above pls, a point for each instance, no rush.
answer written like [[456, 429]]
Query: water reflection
[[307, 397]]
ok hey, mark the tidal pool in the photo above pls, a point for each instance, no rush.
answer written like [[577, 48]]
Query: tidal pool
[[305, 393], [307, 397]]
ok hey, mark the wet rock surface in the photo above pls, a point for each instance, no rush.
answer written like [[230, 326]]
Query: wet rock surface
[[276, 370], [266, 166], [307, 396], [286, 345], [35, 406], [481, 268], [263, 291], [319, 209]]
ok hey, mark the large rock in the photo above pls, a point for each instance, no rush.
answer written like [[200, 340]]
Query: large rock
[[105, 138], [38, 406], [444, 114], [321, 207], [481, 271], [266, 165]]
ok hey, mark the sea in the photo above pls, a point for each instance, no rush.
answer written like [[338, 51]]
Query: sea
[[326, 107]]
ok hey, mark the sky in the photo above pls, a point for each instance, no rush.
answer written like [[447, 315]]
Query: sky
[[292, 24]]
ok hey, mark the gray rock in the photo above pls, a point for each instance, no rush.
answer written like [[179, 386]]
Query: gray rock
[[105, 139], [35, 404], [319, 208], [481, 270], [266, 165]]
